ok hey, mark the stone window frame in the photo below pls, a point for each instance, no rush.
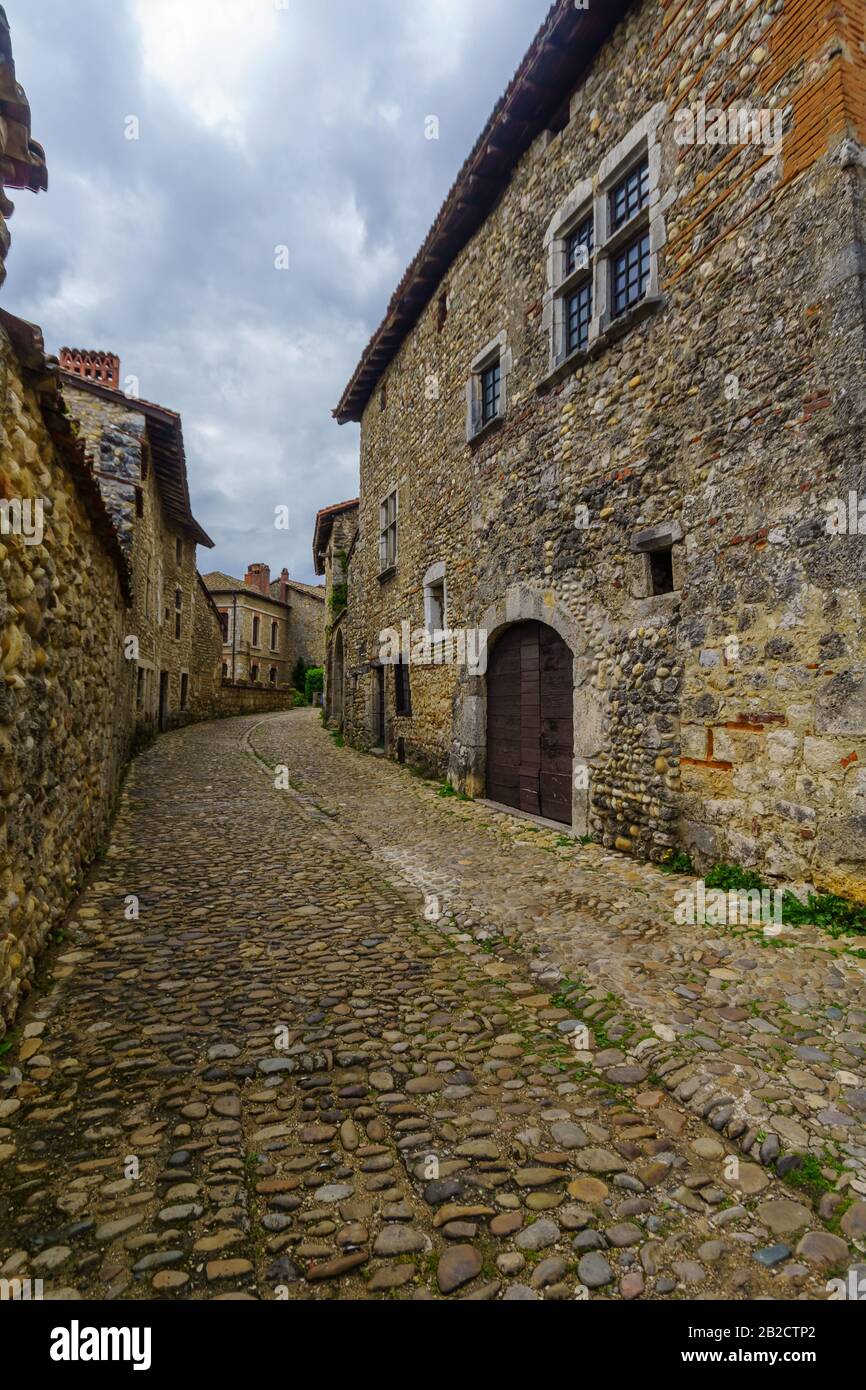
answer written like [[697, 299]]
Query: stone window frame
[[388, 557], [667, 536], [591, 197], [254, 673], [435, 577], [183, 691], [273, 673], [275, 634], [496, 351], [256, 633]]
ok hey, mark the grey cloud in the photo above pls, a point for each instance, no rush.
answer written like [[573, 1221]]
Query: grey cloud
[[162, 249]]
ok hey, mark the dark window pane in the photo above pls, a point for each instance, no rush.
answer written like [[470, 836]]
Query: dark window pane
[[579, 247], [490, 393], [630, 274], [402, 694], [662, 571], [578, 314], [629, 195]]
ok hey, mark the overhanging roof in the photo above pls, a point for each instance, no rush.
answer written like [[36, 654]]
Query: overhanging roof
[[560, 53], [324, 526], [165, 432]]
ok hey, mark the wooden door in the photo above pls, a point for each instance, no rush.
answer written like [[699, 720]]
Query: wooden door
[[530, 728]]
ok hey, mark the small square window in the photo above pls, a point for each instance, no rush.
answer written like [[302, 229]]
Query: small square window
[[630, 273], [628, 196], [661, 563], [491, 392]]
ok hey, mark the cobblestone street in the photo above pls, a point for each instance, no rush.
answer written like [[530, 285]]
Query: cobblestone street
[[330, 1058]]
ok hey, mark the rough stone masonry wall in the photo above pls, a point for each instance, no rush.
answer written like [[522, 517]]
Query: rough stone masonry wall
[[735, 410], [207, 651], [116, 438], [307, 628], [65, 694]]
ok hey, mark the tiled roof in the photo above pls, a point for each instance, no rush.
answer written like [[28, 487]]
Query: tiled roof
[[324, 525], [560, 53], [314, 590], [169, 457]]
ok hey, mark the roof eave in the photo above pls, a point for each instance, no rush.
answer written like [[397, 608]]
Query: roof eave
[[561, 51]]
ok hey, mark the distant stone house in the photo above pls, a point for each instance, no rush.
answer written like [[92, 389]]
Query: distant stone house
[[612, 446], [138, 457], [333, 542], [267, 627]]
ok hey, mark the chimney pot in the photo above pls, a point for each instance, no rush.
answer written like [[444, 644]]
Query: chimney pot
[[258, 577], [102, 367]]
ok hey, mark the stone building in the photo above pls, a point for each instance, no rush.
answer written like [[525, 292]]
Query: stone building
[[333, 543], [138, 454], [267, 627], [612, 441], [64, 587]]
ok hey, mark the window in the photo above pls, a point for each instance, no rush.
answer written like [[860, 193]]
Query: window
[[486, 390], [224, 625], [178, 606], [388, 532], [441, 311], [139, 689], [402, 693], [662, 571], [225, 671], [275, 632], [603, 244], [579, 247], [272, 675], [491, 383], [178, 551], [257, 631], [629, 195], [184, 689], [434, 599], [630, 273], [254, 672]]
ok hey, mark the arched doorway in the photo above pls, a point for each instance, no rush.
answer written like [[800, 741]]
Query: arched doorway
[[338, 680], [530, 722]]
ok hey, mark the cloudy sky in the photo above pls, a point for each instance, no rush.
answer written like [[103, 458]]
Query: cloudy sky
[[261, 124]]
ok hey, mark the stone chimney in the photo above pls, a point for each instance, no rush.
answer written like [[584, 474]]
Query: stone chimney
[[259, 577], [284, 586], [102, 367]]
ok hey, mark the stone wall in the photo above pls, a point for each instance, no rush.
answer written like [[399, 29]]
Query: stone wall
[[207, 647], [229, 700], [162, 554], [728, 717], [65, 700], [309, 620]]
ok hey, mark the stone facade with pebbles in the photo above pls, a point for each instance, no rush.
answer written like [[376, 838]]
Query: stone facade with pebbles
[[65, 698], [138, 457], [675, 330]]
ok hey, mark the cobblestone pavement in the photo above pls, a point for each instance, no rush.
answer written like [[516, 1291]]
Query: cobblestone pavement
[[281, 1081]]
